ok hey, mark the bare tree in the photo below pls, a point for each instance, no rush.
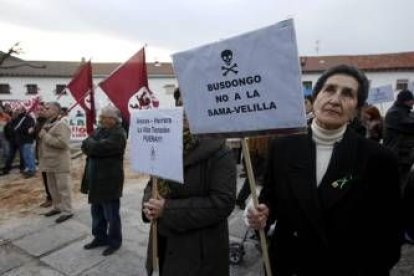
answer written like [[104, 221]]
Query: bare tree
[[15, 49]]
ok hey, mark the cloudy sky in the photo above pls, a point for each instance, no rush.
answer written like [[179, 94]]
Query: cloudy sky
[[113, 30]]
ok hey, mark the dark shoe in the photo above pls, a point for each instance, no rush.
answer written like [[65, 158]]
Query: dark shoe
[[52, 213], [46, 204], [62, 218], [28, 174], [110, 250], [94, 244]]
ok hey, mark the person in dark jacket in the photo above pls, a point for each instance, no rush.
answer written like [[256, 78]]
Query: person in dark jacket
[[20, 134], [334, 194], [103, 180], [399, 137], [399, 131], [193, 236], [24, 135]]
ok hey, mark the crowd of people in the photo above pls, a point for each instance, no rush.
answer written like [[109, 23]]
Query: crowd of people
[[339, 196], [17, 137]]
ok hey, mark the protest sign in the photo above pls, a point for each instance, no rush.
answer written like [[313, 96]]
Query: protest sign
[[157, 142], [244, 85], [411, 87], [77, 124], [381, 94]]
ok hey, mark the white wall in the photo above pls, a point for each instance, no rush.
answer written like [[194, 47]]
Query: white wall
[[159, 85], [47, 88]]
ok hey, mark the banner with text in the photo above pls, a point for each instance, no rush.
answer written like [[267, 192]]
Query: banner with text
[[244, 85], [382, 94], [157, 142], [77, 123]]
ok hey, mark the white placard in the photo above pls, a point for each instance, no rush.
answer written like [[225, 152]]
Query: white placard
[[243, 85], [381, 94], [157, 142], [411, 87]]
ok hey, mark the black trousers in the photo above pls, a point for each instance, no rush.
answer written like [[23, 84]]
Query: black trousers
[[106, 222]]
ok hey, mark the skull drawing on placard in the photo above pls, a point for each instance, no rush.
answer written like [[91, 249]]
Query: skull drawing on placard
[[142, 99], [227, 56]]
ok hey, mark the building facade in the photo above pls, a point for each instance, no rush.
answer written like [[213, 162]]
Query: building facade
[[21, 79]]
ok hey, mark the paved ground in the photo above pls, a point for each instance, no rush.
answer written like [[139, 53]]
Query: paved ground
[[38, 246]]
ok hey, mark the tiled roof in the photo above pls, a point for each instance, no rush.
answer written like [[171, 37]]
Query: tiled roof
[[380, 62], [68, 68], [310, 64]]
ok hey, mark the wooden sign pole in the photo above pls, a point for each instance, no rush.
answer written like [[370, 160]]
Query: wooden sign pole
[[252, 182]]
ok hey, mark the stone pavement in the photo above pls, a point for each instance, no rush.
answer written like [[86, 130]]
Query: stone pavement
[[39, 246]]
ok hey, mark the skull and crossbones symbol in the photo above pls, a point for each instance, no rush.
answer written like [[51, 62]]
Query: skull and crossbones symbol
[[227, 57]]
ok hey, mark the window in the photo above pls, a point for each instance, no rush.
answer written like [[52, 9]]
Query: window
[[32, 89], [169, 89], [307, 87], [4, 88], [60, 89], [401, 85]]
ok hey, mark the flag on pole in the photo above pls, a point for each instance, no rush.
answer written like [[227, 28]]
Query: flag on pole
[[35, 103], [81, 88], [127, 86]]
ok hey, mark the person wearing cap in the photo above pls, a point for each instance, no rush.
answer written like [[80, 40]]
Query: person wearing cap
[[399, 131], [54, 160], [103, 179], [333, 194], [399, 137]]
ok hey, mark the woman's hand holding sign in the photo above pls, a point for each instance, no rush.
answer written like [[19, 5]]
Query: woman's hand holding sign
[[153, 208]]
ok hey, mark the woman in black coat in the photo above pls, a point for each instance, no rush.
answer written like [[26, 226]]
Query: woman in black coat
[[334, 194]]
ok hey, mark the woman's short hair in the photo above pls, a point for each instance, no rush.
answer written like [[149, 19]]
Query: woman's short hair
[[358, 75]]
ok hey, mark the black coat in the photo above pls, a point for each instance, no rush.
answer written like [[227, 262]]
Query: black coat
[[17, 130], [354, 229], [399, 133], [103, 178], [193, 230]]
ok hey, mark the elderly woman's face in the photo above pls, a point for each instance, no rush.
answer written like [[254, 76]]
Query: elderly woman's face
[[336, 104], [107, 122]]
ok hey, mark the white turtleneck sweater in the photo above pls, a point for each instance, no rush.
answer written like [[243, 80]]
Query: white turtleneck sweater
[[324, 140]]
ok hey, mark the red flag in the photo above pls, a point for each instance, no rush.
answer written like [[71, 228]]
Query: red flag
[[81, 88], [34, 105], [127, 86]]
